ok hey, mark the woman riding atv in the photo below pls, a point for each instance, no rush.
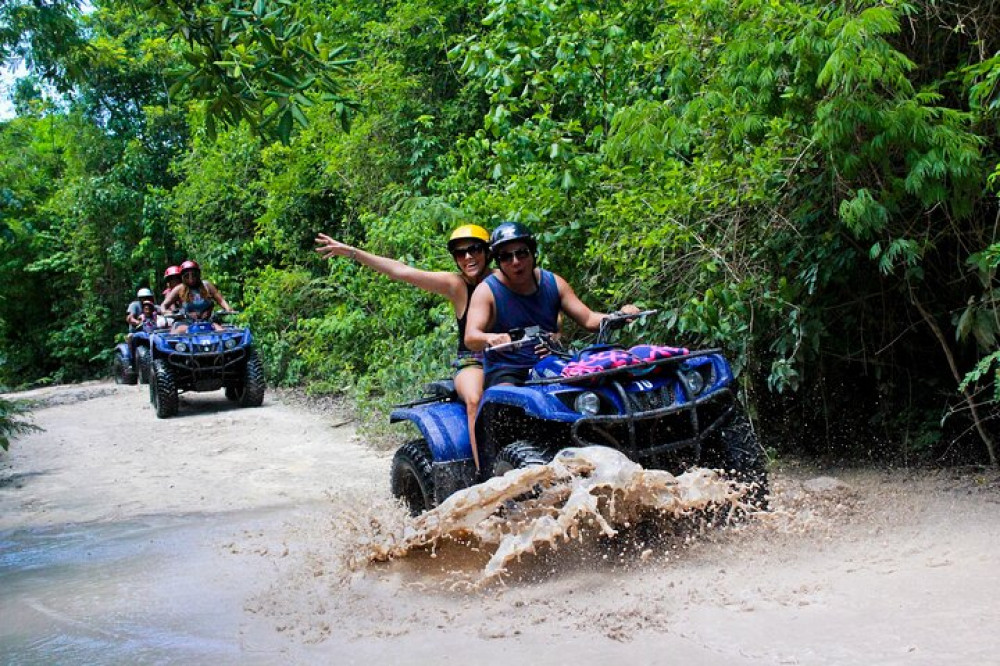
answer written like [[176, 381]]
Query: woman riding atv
[[196, 297], [468, 246]]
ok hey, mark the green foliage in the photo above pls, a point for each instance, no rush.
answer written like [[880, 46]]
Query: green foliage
[[261, 61], [12, 422], [811, 186], [45, 36]]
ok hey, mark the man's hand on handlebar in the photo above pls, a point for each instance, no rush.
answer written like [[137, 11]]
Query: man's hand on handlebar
[[543, 341], [497, 339], [626, 314], [619, 319]]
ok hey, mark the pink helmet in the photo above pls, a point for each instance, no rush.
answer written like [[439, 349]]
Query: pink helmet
[[190, 265], [172, 271]]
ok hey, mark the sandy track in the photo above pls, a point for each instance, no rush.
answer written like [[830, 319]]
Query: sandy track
[[222, 535]]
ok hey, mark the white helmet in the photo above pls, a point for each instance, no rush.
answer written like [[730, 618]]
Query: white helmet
[[144, 293]]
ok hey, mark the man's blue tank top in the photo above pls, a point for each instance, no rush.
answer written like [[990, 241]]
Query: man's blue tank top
[[516, 311]]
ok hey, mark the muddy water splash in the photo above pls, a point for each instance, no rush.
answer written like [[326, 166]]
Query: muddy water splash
[[545, 505]]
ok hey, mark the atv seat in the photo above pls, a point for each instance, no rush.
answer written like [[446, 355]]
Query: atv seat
[[442, 389]]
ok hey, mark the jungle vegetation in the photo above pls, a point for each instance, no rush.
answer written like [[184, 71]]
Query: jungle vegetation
[[811, 186]]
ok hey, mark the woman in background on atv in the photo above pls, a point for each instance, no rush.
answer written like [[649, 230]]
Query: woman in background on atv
[[133, 315], [196, 297], [172, 278], [134, 312], [468, 245], [150, 318]]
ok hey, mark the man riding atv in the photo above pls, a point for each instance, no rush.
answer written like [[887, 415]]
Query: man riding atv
[[521, 296]]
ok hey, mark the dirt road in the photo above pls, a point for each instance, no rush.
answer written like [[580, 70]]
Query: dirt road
[[226, 536]]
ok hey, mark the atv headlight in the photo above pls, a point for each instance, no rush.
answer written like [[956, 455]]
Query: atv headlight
[[230, 343], [180, 346], [587, 403], [693, 381]]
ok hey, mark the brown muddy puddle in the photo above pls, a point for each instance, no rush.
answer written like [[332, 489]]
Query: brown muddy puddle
[[583, 495], [155, 589], [189, 588]]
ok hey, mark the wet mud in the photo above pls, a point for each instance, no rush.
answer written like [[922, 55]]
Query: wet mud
[[253, 537]]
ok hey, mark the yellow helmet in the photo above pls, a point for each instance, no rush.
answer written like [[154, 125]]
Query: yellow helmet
[[469, 232]]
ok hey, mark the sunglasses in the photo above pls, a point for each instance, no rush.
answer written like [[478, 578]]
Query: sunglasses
[[471, 250], [520, 253]]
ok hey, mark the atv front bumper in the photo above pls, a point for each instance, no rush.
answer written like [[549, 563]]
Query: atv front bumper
[[641, 434], [208, 371]]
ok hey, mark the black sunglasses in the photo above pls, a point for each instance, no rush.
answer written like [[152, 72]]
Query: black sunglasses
[[460, 252], [520, 253]]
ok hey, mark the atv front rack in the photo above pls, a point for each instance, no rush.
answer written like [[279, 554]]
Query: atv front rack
[[613, 373]]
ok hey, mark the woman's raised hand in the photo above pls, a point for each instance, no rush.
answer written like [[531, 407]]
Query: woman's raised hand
[[328, 247]]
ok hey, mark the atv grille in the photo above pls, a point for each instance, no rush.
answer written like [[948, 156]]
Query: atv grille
[[658, 430], [644, 433], [644, 401]]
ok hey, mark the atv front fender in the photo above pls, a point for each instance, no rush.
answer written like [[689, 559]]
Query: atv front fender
[[444, 425], [123, 351], [536, 402]]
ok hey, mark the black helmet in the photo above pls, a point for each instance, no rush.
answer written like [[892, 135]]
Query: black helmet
[[508, 232]]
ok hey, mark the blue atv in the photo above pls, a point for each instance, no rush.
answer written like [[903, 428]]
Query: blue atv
[[668, 413], [129, 368], [204, 358]]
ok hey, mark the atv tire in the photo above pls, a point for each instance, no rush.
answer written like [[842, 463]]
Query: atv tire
[[162, 389], [122, 371], [412, 477], [143, 360], [250, 391], [735, 450], [521, 453]]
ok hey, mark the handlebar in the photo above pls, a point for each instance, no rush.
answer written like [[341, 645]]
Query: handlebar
[[180, 315], [622, 316], [618, 320], [534, 335], [522, 337]]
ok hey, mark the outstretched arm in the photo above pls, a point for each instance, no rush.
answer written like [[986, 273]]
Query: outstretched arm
[[437, 282]]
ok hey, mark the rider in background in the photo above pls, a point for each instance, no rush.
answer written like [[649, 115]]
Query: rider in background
[[150, 318], [133, 315], [196, 297], [469, 246], [520, 295], [172, 278], [134, 311]]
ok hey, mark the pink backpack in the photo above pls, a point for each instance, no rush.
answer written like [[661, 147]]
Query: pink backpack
[[611, 359]]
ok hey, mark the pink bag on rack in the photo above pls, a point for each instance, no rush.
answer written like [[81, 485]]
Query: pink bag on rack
[[612, 359]]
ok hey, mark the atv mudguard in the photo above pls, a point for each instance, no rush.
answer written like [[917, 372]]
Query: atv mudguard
[[535, 401], [444, 425], [123, 351], [445, 428]]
